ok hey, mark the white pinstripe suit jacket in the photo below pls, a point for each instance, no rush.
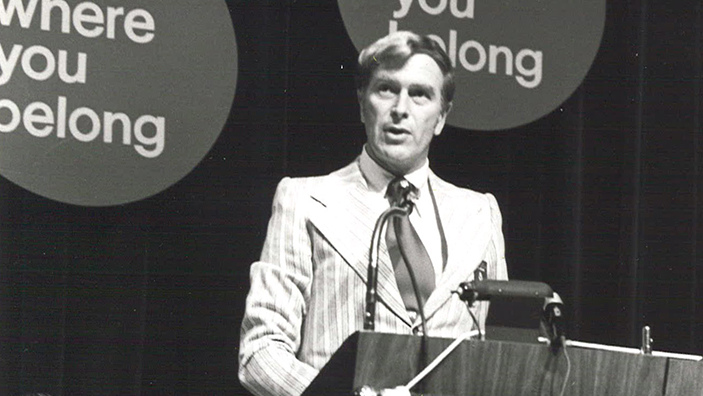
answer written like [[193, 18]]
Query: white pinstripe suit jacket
[[308, 290]]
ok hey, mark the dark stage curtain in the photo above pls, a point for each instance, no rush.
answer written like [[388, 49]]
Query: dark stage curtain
[[601, 199]]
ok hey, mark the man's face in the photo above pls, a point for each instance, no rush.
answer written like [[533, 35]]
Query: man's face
[[402, 112]]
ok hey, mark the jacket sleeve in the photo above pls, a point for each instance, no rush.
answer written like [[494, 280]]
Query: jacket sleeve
[[276, 303]]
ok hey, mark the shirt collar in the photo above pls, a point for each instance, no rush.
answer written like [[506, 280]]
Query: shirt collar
[[378, 178]]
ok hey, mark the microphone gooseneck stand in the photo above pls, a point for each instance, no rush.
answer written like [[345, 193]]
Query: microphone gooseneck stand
[[372, 281], [404, 209]]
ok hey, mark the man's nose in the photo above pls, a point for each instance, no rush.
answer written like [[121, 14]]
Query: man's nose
[[400, 107]]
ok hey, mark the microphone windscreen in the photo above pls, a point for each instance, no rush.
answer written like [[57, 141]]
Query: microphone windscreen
[[510, 288]]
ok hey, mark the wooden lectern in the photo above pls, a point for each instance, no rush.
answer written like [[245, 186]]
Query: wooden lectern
[[495, 368]]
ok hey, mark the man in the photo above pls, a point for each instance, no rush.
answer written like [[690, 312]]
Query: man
[[308, 290]]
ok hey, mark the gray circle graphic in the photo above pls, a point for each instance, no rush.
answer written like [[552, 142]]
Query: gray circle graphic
[[106, 102], [515, 60]]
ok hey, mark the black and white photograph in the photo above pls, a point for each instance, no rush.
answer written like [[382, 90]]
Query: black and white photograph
[[351, 197]]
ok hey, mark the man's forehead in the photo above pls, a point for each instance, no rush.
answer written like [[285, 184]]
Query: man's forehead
[[419, 67], [395, 79]]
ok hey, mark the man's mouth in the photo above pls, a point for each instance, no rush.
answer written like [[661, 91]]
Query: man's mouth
[[396, 130]]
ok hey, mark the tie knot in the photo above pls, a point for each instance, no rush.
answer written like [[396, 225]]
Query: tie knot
[[400, 192]]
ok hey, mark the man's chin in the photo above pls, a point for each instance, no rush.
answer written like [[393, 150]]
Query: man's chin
[[395, 158], [399, 165]]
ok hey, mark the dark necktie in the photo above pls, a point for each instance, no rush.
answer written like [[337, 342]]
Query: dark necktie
[[404, 242]]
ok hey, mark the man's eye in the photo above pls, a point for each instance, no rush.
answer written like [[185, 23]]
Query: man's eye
[[385, 88], [420, 94]]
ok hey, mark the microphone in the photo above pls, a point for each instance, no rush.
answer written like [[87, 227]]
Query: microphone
[[473, 291], [553, 319], [406, 196]]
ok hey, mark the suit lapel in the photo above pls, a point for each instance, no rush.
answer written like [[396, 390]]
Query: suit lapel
[[342, 214], [340, 211], [466, 224]]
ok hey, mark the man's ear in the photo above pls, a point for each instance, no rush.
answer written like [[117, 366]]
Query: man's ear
[[442, 120], [360, 99]]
